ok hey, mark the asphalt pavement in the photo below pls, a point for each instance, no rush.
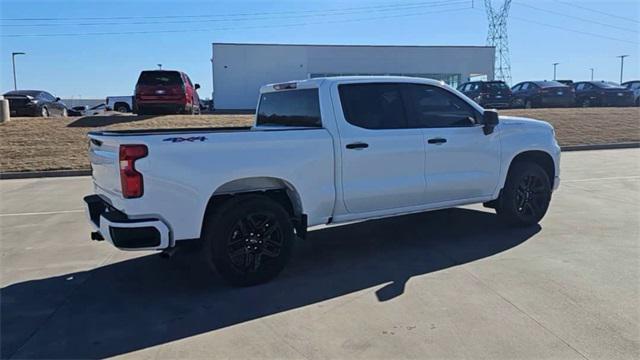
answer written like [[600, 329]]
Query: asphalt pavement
[[449, 284]]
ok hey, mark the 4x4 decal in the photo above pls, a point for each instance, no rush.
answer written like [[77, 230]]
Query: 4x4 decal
[[189, 139]]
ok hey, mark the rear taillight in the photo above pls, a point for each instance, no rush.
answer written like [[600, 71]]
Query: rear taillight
[[130, 178]]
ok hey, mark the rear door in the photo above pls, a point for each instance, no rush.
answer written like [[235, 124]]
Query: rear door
[[382, 160], [462, 163]]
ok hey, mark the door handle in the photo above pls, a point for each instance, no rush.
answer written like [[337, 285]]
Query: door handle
[[358, 145], [437, 141]]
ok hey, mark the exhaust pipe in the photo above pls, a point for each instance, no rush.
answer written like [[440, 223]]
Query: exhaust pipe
[[168, 253]]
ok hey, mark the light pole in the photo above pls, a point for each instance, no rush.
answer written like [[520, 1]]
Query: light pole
[[591, 73], [159, 66], [13, 62], [621, 65], [554, 70]]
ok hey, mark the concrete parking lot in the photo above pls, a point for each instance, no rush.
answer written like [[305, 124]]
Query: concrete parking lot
[[447, 284]]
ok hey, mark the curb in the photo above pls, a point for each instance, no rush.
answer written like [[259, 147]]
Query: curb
[[43, 174], [66, 173], [630, 145]]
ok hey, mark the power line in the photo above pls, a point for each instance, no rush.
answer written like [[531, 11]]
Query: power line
[[271, 17], [597, 11], [568, 29], [575, 17], [231, 28], [224, 15]]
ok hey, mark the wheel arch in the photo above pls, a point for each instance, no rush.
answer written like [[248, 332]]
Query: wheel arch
[[277, 189], [118, 103], [540, 157]]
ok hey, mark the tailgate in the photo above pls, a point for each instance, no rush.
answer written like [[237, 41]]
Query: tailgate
[[105, 171]]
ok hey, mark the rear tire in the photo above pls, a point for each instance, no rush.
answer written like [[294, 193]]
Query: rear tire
[[44, 112], [525, 198], [248, 240], [585, 103], [528, 104], [65, 113]]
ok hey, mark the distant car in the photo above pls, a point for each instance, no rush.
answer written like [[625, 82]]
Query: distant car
[[77, 110], [602, 93], [34, 103], [166, 91], [123, 104], [566, 82], [634, 86], [488, 94], [86, 110], [532, 94]]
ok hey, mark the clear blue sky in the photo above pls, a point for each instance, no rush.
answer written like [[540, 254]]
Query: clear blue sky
[[93, 66]]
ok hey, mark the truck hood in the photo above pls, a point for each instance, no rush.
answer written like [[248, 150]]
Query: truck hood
[[525, 122]]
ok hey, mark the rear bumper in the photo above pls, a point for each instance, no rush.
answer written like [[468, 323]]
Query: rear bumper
[[24, 110], [164, 107], [557, 101], [122, 231]]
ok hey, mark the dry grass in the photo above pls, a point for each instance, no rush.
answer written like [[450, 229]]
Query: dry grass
[[35, 144]]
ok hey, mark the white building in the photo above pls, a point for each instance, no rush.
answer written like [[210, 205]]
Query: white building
[[240, 69]]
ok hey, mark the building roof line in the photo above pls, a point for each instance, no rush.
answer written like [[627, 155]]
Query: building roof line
[[347, 45]]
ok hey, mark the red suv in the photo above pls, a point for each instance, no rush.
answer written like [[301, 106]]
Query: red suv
[[165, 92]]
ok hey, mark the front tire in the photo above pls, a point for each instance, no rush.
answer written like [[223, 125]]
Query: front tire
[[248, 240], [525, 198], [44, 112], [528, 104]]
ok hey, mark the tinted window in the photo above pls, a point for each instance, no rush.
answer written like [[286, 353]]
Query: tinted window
[[159, 78], [290, 108], [525, 86], [546, 84], [433, 107], [495, 86], [46, 96], [516, 88], [373, 106], [608, 85]]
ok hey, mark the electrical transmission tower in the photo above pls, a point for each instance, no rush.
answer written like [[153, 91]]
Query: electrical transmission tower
[[497, 36]]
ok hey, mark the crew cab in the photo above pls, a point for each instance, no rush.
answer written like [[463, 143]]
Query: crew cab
[[321, 151]]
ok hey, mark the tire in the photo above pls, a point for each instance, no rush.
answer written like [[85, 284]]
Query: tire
[[44, 112], [64, 113], [525, 198], [528, 104], [585, 103], [235, 240], [122, 108]]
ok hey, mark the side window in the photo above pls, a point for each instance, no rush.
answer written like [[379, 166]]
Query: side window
[[587, 86], [47, 97], [580, 87], [474, 87], [516, 88], [373, 105], [525, 86], [433, 107], [297, 108]]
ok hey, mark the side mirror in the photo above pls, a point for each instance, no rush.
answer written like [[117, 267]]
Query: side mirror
[[490, 120], [57, 99], [197, 86]]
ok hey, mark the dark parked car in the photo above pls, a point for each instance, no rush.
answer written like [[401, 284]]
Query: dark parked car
[[34, 103], [166, 91], [602, 93], [634, 86], [494, 94], [530, 94]]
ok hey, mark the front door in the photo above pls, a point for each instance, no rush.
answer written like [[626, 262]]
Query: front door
[[382, 160], [462, 163]]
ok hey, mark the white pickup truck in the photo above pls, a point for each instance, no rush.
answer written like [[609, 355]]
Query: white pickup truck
[[322, 151]]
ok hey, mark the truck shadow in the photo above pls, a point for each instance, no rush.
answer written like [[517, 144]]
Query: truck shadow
[[148, 301]]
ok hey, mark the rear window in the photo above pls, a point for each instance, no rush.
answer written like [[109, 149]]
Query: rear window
[[608, 85], [159, 78], [299, 108], [495, 86], [547, 84]]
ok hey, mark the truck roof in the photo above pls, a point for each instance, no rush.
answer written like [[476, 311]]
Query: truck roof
[[316, 82]]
